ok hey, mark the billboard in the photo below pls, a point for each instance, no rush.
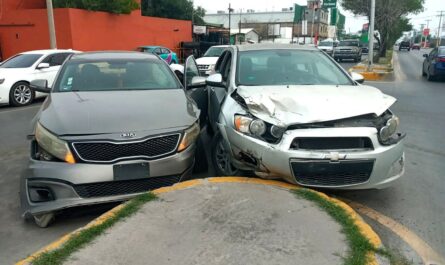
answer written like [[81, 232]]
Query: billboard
[[199, 29], [329, 3], [426, 32], [273, 29]]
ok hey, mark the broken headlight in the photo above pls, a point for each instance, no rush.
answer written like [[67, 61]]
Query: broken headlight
[[390, 128], [53, 145], [258, 128]]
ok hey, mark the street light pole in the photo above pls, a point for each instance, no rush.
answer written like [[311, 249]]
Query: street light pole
[[230, 35], [439, 38], [371, 35], [51, 27]]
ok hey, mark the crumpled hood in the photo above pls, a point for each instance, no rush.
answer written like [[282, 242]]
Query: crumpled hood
[[81, 113], [284, 106], [206, 60]]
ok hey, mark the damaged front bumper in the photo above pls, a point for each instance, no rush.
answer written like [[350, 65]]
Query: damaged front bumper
[[61, 185], [373, 166]]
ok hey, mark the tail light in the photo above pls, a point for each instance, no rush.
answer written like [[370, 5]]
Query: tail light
[[440, 60]]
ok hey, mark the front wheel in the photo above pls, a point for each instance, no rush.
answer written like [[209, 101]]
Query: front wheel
[[221, 158], [21, 94]]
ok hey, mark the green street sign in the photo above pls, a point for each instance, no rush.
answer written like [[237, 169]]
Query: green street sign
[[329, 3]]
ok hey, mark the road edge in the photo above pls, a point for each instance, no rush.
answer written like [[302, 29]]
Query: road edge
[[364, 228]]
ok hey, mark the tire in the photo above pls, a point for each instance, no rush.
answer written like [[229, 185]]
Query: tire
[[21, 94], [423, 72], [221, 158], [43, 220], [409, 49]]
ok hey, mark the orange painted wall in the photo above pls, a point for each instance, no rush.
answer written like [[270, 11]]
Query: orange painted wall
[[105, 31], [25, 29]]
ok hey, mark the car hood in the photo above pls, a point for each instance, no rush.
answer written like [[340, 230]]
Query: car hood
[[206, 60], [83, 113], [287, 105]]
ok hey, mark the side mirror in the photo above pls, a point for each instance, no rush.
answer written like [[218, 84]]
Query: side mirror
[[215, 80], [425, 55], [357, 77], [40, 85], [197, 81], [42, 66]]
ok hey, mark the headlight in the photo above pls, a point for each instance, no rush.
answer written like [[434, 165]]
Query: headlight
[[2, 80], [53, 145], [249, 125], [190, 136], [276, 131], [390, 128]]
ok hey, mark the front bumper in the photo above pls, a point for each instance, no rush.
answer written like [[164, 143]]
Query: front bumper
[[275, 160], [62, 179]]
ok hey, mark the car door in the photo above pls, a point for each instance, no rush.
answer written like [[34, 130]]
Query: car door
[[55, 61], [198, 94], [218, 94], [430, 60]]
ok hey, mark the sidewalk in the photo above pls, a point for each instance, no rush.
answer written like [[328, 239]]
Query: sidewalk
[[222, 221]]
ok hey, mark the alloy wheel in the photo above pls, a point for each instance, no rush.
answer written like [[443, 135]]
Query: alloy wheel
[[223, 160], [22, 94]]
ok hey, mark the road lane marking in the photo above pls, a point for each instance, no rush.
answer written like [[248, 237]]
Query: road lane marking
[[19, 109], [426, 253]]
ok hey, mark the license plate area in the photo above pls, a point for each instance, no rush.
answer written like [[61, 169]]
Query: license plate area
[[131, 171]]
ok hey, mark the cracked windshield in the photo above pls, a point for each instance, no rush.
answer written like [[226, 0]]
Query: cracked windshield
[[222, 132]]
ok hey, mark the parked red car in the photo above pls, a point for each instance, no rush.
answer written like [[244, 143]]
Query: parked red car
[[415, 46]]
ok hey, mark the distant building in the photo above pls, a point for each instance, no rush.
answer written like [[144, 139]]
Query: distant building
[[276, 26], [244, 36]]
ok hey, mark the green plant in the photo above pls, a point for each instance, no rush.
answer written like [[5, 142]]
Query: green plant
[[111, 6]]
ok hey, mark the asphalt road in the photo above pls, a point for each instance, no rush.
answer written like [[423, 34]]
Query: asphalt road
[[417, 200]]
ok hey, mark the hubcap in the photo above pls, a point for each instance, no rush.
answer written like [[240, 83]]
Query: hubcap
[[22, 94], [223, 160]]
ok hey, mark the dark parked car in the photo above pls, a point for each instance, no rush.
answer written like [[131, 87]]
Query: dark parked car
[[434, 64], [114, 125], [405, 45]]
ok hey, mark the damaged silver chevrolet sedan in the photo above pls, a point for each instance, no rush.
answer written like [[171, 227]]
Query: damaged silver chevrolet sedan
[[283, 111]]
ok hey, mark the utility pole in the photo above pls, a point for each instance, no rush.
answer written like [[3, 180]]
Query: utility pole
[[313, 20], [52, 28], [371, 36], [439, 39], [428, 27], [239, 33], [230, 35]]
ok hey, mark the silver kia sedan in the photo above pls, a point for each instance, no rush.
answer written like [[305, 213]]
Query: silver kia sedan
[[285, 111], [114, 125]]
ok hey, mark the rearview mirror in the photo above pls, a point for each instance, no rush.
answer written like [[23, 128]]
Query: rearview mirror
[[425, 55], [42, 66], [357, 77], [215, 80], [40, 85], [197, 81]]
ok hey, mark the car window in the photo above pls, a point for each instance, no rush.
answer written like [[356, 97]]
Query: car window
[[21, 61], [191, 71], [226, 67], [111, 75], [165, 51], [214, 52], [56, 59], [288, 67], [158, 51], [441, 52], [433, 53], [348, 43]]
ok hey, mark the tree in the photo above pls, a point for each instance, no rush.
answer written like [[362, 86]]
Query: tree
[[390, 17], [111, 6], [176, 9]]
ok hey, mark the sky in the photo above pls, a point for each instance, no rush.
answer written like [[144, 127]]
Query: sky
[[353, 23]]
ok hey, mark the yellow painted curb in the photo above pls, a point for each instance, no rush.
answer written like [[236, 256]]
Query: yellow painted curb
[[365, 229]]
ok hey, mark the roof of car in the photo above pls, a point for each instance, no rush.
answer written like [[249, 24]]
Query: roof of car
[[49, 51], [273, 46], [151, 47], [106, 55]]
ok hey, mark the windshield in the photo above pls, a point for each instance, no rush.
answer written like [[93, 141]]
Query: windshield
[[442, 52], [115, 75], [326, 43], [21, 61], [214, 52], [348, 43], [288, 67]]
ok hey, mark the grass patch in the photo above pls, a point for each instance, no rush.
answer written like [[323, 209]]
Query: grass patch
[[84, 237], [359, 245], [387, 59]]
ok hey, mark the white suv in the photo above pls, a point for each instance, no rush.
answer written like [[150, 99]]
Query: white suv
[[208, 61], [18, 71]]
